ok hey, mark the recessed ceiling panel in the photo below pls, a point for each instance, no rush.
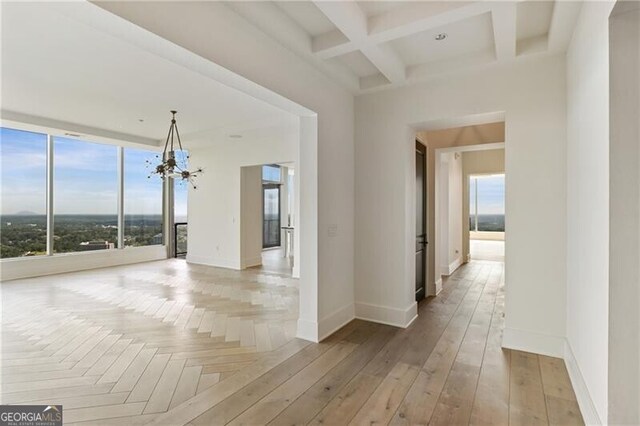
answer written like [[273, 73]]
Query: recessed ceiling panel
[[374, 8], [307, 15], [534, 18], [463, 37]]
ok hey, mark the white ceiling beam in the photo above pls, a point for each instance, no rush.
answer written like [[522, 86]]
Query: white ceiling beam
[[332, 44], [373, 81], [503, 16], [563, 22], [352, 22], [273, 21], [411, 19], [387, 61]]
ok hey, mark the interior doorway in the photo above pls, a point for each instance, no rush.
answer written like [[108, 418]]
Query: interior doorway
[[277, 216], [421, 221], [486, 217]]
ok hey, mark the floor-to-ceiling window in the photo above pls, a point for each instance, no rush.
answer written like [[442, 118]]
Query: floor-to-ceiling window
[[23, 193], [180, 193], [85, 196], [142, 199], [486, 202], [63, 195], [271, 180], [486, 217]]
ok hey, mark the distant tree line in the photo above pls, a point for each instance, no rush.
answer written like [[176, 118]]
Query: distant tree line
[[23, 235], [487, 223]]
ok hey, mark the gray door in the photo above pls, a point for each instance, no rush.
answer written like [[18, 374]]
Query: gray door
[[421, 220]]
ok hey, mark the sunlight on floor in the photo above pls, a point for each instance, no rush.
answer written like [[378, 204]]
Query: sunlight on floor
[[487, 250]]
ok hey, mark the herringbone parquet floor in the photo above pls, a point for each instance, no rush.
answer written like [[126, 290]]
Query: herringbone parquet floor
[[138, 340]]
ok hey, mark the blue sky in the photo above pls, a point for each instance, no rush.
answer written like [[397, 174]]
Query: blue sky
[[22, 171], [490, 194], [85, 177]]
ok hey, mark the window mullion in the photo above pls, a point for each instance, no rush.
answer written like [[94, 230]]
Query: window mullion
[[120, 197], [50, 224], [168, 215]]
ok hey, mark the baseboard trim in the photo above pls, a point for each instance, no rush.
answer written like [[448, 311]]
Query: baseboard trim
[[307, 330], [587, 407], [438, 286], [385, 315], [453, 266], [218, 263], [251, 262], [529, 341], [334, 321]]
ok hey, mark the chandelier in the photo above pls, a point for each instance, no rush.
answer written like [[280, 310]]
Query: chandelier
[[171, 165]]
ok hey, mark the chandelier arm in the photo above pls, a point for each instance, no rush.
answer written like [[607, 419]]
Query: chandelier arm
[[179, 141], [166, 144], [173, 125]]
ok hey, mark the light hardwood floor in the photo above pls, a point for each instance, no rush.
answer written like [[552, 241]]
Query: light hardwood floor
[[171, 343]]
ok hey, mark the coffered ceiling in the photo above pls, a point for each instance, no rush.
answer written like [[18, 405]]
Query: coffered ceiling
[[372, 45]]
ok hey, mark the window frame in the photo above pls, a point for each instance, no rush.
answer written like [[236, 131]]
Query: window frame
[[274, 166], [51, 133]]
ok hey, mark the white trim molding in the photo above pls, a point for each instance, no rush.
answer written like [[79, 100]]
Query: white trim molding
[[307, 330], [335, 321], [587, 407], [215, 262], [35, 266], [385, 315], [438, 286], [528, 341], [251, 262], [451, 268]]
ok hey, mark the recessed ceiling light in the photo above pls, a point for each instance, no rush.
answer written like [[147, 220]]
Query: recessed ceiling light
[[441, 36], [235, 136]]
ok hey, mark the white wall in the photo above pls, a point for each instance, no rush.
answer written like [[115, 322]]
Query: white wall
[[250, 216], [215, 211], [588, 207], [454, 255], [449, 207], [624, 205], [218, 34], [531, 93], [442, 212]]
